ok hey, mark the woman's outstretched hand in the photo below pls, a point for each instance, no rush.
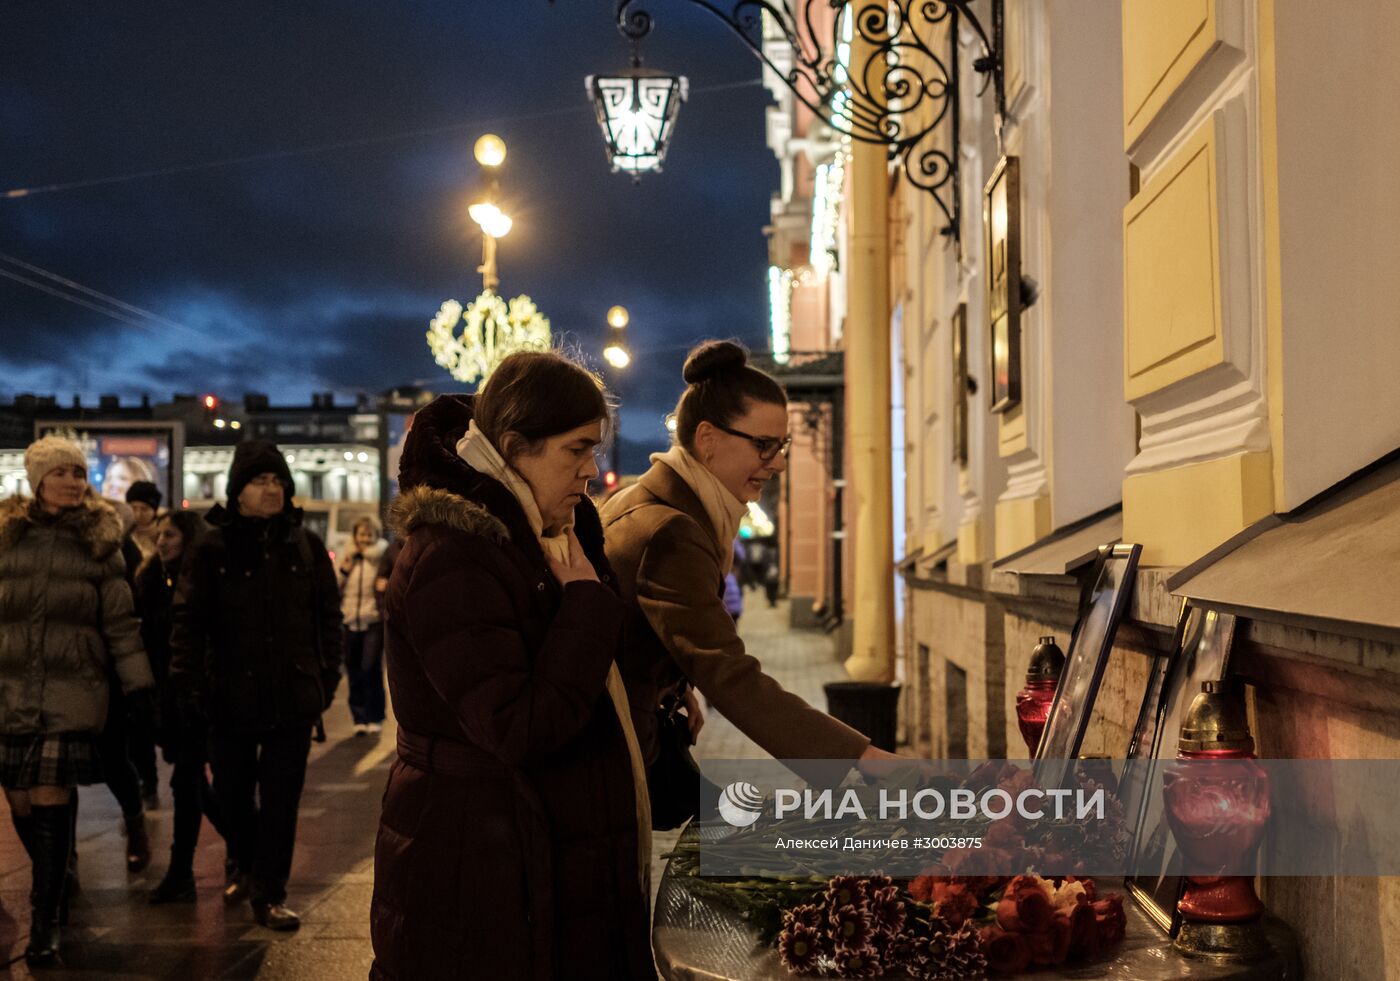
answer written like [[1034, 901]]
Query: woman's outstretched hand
[[876, 763], [577, 569], [694, 714]]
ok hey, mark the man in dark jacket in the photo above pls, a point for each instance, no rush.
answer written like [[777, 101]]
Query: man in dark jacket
[[256, 649]]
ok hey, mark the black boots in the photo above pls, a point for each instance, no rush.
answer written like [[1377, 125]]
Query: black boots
[[51, 839], [176, 887], [138, 849], [275, 916]]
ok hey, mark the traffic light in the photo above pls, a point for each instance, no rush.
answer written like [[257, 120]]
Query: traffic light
[[211, 402], [610, 479]]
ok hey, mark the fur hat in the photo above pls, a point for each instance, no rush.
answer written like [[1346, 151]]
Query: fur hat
[[254, 457], [50, 453], [145, 492]]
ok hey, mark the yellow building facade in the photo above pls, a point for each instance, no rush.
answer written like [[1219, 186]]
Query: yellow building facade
[[1207, 345]]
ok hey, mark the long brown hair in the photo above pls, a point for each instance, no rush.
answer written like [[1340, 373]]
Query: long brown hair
[[720, 384]]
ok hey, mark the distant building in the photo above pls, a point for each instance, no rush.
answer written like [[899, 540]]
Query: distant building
[[334, 450]]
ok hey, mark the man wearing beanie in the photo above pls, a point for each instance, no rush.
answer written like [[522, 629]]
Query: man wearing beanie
[[255, 650]]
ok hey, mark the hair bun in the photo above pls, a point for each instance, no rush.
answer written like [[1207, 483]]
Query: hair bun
[[712, 358]]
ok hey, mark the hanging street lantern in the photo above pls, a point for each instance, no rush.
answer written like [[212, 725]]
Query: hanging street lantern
[[637, 107], [637, 113]]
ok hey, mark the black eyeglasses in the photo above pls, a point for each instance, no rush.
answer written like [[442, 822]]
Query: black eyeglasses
[[767, 446]]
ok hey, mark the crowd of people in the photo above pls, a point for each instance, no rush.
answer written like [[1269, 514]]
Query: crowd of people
[[544, 659]]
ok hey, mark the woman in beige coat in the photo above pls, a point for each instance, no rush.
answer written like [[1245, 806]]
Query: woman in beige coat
[[669, 537]]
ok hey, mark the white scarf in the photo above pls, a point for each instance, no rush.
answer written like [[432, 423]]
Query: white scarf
[[477, 450], [724, 510]]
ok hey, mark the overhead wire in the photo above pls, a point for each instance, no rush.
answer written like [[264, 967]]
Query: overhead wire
[[15, 193], [125, 312]]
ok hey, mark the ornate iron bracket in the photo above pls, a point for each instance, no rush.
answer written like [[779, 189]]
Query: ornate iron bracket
[[896, 88]]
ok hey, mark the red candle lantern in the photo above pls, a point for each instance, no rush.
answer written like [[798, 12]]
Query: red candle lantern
[[1217, 804], [1033, 701]]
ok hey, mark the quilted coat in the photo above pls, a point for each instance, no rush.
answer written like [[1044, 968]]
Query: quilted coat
[[65, 617]]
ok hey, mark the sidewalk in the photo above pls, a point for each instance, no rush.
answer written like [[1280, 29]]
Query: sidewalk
[[114, 934], [800, 660]]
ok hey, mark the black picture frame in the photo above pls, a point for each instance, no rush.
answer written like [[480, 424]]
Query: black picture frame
[[1200, 651], [1090, 647], [1001, 221], [960, 386]]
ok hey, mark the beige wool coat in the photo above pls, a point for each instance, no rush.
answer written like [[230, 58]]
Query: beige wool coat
[[670, 569]]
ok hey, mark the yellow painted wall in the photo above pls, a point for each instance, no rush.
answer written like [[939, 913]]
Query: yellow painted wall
[[1181, 514], [1163, 42], [1171, 270], [1021, 522]]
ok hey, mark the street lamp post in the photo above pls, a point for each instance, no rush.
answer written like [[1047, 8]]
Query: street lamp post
[[470, 341], [490, 152], [617, 355]]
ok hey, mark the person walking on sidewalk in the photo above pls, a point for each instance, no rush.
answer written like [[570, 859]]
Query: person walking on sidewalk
[[362, 629], [255, 649], [182, 740], [514, 840], [65, 616], [670, 539]]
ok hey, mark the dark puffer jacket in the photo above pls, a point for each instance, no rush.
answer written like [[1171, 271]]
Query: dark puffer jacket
[[508, 842], [65, 617], [256, 634]]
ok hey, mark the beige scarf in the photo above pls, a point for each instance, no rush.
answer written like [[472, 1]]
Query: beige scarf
[[482, 456], [724, 510]]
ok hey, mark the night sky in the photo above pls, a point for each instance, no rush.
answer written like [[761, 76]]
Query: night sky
[[319, 271]]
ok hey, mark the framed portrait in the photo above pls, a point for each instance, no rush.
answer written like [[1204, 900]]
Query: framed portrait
[[1090, 646], [1200, 651], [960, 386], [1001, 220]]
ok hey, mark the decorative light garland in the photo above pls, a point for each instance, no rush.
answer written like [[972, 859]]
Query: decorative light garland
[[828, 189], [491, 330], [780, 312]]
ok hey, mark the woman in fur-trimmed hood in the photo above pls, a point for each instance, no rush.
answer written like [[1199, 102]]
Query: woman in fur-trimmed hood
[[511, 844], [65, 617]]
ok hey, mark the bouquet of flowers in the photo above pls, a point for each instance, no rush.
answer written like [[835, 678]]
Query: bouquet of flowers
[[1027, 921], [865, 927]]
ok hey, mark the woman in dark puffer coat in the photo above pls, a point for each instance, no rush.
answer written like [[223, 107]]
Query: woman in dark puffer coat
[[509, 843], [65, 617]]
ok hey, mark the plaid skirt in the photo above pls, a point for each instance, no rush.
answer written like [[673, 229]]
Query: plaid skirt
[[52, 759]]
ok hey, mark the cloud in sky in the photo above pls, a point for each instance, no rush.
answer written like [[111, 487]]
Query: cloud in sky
[[319, 271]]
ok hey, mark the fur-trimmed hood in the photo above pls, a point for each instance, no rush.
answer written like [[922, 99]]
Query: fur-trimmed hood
[[424, 505], [439, 488], [94, 521]]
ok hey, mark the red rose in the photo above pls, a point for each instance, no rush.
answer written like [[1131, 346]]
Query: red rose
[[1002, 834], [1111, 921], [922, 887], [1006, 953], [1083, 932], [1051, 945], [954, 901], [1025, 906]]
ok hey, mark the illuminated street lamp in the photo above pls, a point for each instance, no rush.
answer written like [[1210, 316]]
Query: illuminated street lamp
[[637, 107], [470, 341], [617, 355], [490, 152]]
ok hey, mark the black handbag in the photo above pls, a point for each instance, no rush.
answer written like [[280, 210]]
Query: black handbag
[[673, 779]]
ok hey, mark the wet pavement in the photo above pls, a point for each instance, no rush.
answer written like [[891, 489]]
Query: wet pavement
[[115, 934]]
